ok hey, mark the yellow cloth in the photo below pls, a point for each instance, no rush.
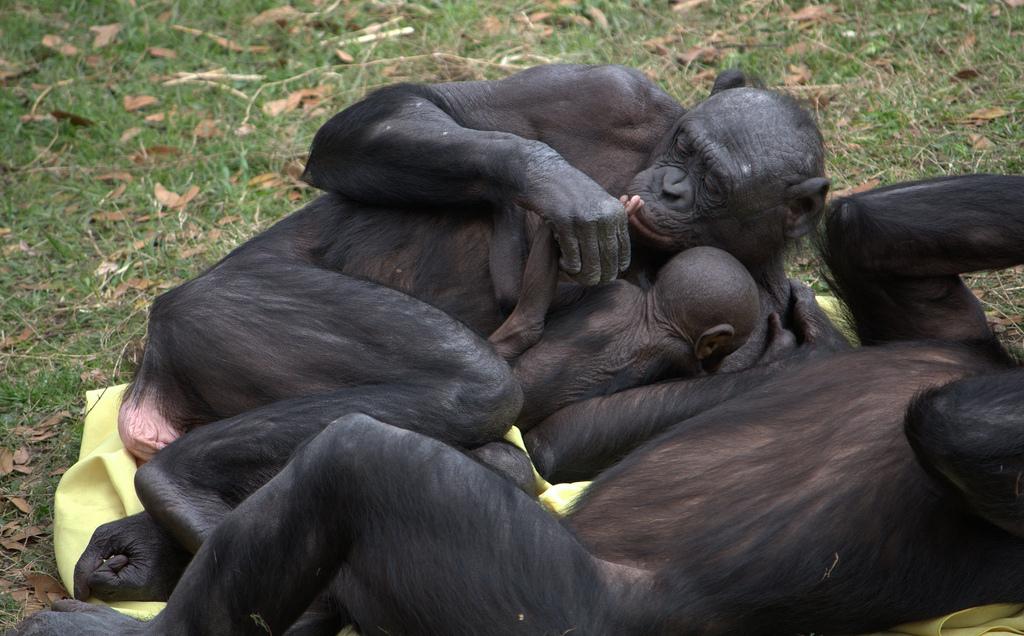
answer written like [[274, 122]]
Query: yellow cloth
[[99, 488]]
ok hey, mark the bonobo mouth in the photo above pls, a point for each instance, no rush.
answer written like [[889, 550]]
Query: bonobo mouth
[[643, 229]]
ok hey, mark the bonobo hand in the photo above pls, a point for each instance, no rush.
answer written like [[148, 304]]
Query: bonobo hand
[[812, 325], [131, 559], [590, 225], [72, 618]]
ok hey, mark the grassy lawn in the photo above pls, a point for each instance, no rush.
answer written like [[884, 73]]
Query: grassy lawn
[[140, 140]]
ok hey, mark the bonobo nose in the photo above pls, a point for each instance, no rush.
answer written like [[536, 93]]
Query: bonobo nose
[[676, 184]]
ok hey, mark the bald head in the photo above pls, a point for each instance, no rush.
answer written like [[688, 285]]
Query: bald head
[[710, 299]]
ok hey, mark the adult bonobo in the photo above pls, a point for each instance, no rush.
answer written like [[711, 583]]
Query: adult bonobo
[[841, 493], [428, 189]]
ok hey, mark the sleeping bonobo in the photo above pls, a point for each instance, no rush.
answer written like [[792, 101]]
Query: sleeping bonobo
[[702, 307]]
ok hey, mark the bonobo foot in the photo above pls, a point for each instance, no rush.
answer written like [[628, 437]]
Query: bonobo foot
[[510, 462], [131, 559], [74, 618]]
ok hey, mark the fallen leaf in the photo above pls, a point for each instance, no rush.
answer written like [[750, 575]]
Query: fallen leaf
[[277, 14], [33, 117], [165, 196], [493, 26], [812, 12], [14, 545], [540, 16], [305, 97], [57, 43], [799, 75], [20, 504], [153, 153], [131, 132], [76, 120], [108, 216], [45, 585], [222, 41], [6, 461], [1014, 3], [161, 52], [598, 17], [868, 185], [229, 219], [94, 60], [117, 175], [275, 107], [985, 114], [344, 57], [967, 73], [104, 35], [980, 142], [135, 102], [106, 267], [156, 117], [701, 53], [206, 129], [21, 456], [685, 5]]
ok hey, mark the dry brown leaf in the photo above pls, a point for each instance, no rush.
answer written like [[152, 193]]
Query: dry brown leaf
[[980, 142], [154, 153], [165, 196], [967, 73], [6, 461], [159, 51], [305, 98], [275, 107], [57, 43], [799, 75], [598, 17], [156, 117], [46, 587], [104, 35], [131, 132], [117, 175], [206, 129], [94, 60], [135, 102], [867, 185], [493, 26], [76, 120], [108, 216], [985, 114], [231, 45], [1014, 3], [20, 504], [116, 192], [540, 16], [685, 5], [14, 545], [344, 57], [701, 53], [262, 179], [812, 12], [229, 219], [280, 15], [33, 117]]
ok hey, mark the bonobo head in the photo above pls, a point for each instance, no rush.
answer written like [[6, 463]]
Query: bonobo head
[[709, 299], [745, 173]]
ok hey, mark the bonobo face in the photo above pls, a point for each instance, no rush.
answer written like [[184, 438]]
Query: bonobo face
[[744, 174]]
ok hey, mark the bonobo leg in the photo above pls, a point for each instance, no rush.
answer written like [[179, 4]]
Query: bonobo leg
[[969, 435], [438, 545], [75, 618], [896, 253], [261, 328]]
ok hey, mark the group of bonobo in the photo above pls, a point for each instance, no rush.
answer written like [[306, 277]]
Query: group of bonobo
[[321, 414]]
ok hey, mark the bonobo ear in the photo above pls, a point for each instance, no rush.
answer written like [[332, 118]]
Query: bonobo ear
[[713, 338], [729, 78], [806, 201]]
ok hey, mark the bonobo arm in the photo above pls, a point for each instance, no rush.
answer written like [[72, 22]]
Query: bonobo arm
[[554, 140], [580, 440]]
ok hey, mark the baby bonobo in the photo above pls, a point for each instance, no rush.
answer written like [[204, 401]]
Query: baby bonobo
[[702, 307]]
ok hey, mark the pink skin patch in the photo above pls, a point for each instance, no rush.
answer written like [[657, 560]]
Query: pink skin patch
[[143, 430]]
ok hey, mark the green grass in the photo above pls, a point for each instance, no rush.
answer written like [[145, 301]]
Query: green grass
[[81, 257]]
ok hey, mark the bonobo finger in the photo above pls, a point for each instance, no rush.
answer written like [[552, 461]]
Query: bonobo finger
[[568, 245], [588, 237], [86, 565]]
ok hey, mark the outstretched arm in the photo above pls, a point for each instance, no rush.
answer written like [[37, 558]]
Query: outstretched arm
[[553, 140]]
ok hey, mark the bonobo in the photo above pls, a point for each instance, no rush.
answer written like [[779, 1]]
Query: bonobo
[[840, 493], [702, 307], [418, 181]]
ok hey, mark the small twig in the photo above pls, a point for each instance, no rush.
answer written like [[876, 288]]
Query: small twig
[[231, 89], [370, 30], [217, 74], [374, 37]]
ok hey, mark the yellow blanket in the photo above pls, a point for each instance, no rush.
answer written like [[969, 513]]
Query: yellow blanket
[[99, 488]]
